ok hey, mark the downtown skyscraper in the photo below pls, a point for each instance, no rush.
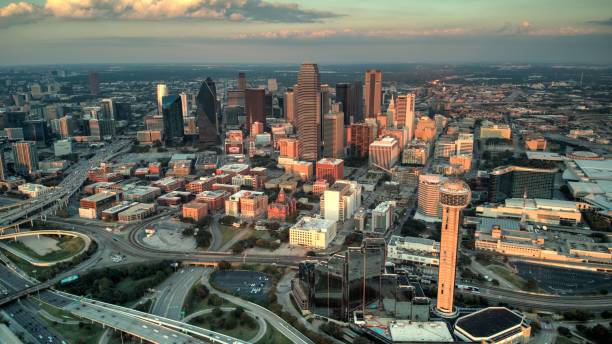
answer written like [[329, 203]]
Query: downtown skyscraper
[[241, 81], [405, 114], [173, 119], [162, 91], [308, 111], [289, 106], [207, 112], [254, 106], [94, 87], [373, 93], [333, 133], [25, 157]]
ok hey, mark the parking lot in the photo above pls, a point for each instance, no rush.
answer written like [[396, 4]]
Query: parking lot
[[565, 281], [245, 284]]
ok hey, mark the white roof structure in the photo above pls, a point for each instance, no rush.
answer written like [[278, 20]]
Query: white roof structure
[[409, 331]]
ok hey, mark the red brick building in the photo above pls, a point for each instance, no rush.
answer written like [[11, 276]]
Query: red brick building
[[330, 169], [284, 207], [214, 199], [195, 210], [359, 139]]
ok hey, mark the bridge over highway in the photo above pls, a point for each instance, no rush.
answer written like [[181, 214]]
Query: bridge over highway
[[155, 329], [38, 262]]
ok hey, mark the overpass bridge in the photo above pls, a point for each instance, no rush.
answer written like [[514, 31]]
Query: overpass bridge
[[142, 325], [49, 203], [38, 262], [98, 311]]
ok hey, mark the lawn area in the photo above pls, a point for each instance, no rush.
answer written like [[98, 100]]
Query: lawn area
[[272, 336], [68, 247], [75, 334], [128, 284], [200, 298], [227, 233], [241, 327], [508, 275], [563, 340], [25, 266], [56, 312]]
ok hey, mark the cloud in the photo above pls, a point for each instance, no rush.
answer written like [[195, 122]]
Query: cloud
[[17, 13], [522, 28], [232, 10], [605, 22], [349, 33]]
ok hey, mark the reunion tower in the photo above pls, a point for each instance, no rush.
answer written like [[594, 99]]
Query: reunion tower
[[455, 195]]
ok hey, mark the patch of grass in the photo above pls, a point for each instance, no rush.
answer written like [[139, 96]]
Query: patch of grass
[[508, 275], [128, 284], [68, 247], [200, 298], [563, 340], [272, 336], [56, 312], [244, 328], [120, 285], [44, 273], [227, 233], [76, 334], [24, 265]]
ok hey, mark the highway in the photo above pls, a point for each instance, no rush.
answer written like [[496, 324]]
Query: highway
[[38, 262], [156, 329], [172, 292], [48, 203], [20, 317], [543, 302], [134, 247], [277, 322], [145, 321]]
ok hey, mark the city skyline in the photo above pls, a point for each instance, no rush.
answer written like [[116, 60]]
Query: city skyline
[[67, 32], [308, 172]]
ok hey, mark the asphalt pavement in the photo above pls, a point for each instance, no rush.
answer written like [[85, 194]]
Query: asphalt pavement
[[171, 294]]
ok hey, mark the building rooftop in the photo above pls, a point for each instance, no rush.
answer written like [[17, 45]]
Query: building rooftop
[[119, 207], [396, 239], [211, 194], [489, 322], [382, 207], [385, 141], [246, 194], [166, 181], [596, 169], [100, 196], [313, 224], [409, 331], [195, 205], [540, 203], [30, 187], [176, 157], [508, 169], [329, 161], [234, 168], [139, 190], [137, 208], [533, 155]]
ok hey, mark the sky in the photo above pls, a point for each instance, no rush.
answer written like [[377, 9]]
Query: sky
[[293, 31]]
